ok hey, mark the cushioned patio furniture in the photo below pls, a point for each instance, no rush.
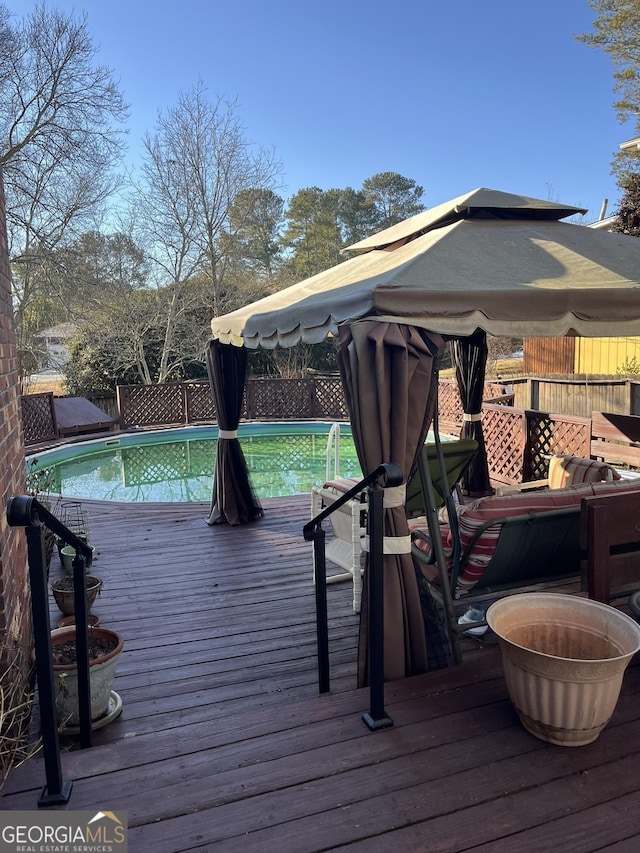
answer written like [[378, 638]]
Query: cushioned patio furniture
[[505, 542], [349, 522]]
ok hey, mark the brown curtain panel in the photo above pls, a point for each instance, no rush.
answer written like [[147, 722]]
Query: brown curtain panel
[[470, 360], [390, 380], [233, 500]]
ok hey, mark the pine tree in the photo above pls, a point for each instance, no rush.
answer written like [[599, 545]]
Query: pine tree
[[628, 214]]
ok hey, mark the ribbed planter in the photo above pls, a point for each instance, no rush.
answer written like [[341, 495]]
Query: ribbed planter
[[102, 670], [564, 659]]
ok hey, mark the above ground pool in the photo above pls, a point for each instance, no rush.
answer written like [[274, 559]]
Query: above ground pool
[[177, 464]]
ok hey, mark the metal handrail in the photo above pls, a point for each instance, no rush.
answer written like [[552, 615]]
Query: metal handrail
[[385, 475], [26, 511]]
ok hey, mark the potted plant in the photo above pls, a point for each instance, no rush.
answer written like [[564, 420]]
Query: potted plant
[[105, 647], [76, 520], [62, 589], [67, 555]]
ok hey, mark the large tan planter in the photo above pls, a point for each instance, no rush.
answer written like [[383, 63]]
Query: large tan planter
[[564, 659]]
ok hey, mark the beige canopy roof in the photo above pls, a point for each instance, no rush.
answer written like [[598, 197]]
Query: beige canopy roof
[[488, 260], [480, 202]]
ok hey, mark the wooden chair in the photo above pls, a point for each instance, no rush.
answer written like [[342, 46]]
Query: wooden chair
[[610, 535]]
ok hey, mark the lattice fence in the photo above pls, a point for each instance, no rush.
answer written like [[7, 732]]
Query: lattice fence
[[519, 442], [450, 409], [38, 417], [199, 403], [504, 432], [265, 399], [152, 405], [550, 434], [329, 399], [280, 399]]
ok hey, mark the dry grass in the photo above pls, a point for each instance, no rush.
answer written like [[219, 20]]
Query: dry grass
[[42, 386], [15, 709], [505, 368]]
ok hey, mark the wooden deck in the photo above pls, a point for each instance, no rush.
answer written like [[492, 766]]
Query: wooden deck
[[225, 745]]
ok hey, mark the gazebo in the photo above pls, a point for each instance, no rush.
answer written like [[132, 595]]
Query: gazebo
[[485, 262]]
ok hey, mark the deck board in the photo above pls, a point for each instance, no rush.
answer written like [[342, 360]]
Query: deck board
[[225, 745]]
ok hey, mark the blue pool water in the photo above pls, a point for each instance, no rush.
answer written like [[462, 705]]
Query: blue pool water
[[177, 464]]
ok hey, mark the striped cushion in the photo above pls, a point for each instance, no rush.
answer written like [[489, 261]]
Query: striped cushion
[[421, 524], [570, 470], [603, 489], [340, 485], [473, 515]]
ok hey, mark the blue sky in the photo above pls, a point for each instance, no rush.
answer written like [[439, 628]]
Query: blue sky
[[455, 95]]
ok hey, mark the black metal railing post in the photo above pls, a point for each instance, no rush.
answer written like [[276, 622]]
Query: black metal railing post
[[28, 512], [81, 610], [387, 474], [21, 512], [322, 627], [376, 718]]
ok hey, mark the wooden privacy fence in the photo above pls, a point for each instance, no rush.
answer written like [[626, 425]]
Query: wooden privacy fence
[[169, 404], [578, 395]]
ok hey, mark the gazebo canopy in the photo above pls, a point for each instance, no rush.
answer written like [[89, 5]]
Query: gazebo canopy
[[490, 260], [484, 262]]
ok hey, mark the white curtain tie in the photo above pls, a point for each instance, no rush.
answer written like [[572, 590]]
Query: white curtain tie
[[227, 433], [467, 417], [390, 544], [394, 496]]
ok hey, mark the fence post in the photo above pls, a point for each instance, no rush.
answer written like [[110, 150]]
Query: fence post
[[249, 399], [312, 397]]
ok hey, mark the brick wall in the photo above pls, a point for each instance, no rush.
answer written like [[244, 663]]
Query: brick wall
[[15, 612]]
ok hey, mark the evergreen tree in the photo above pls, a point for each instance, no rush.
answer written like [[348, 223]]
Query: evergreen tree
[[617, 33], [628, 213]]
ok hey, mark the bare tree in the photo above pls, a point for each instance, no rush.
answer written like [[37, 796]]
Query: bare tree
[[124, 340], [196, 165], [59, 138]]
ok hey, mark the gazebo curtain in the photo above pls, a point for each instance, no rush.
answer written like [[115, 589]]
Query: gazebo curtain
[[233, 499], [390, 380], [470, 360]]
